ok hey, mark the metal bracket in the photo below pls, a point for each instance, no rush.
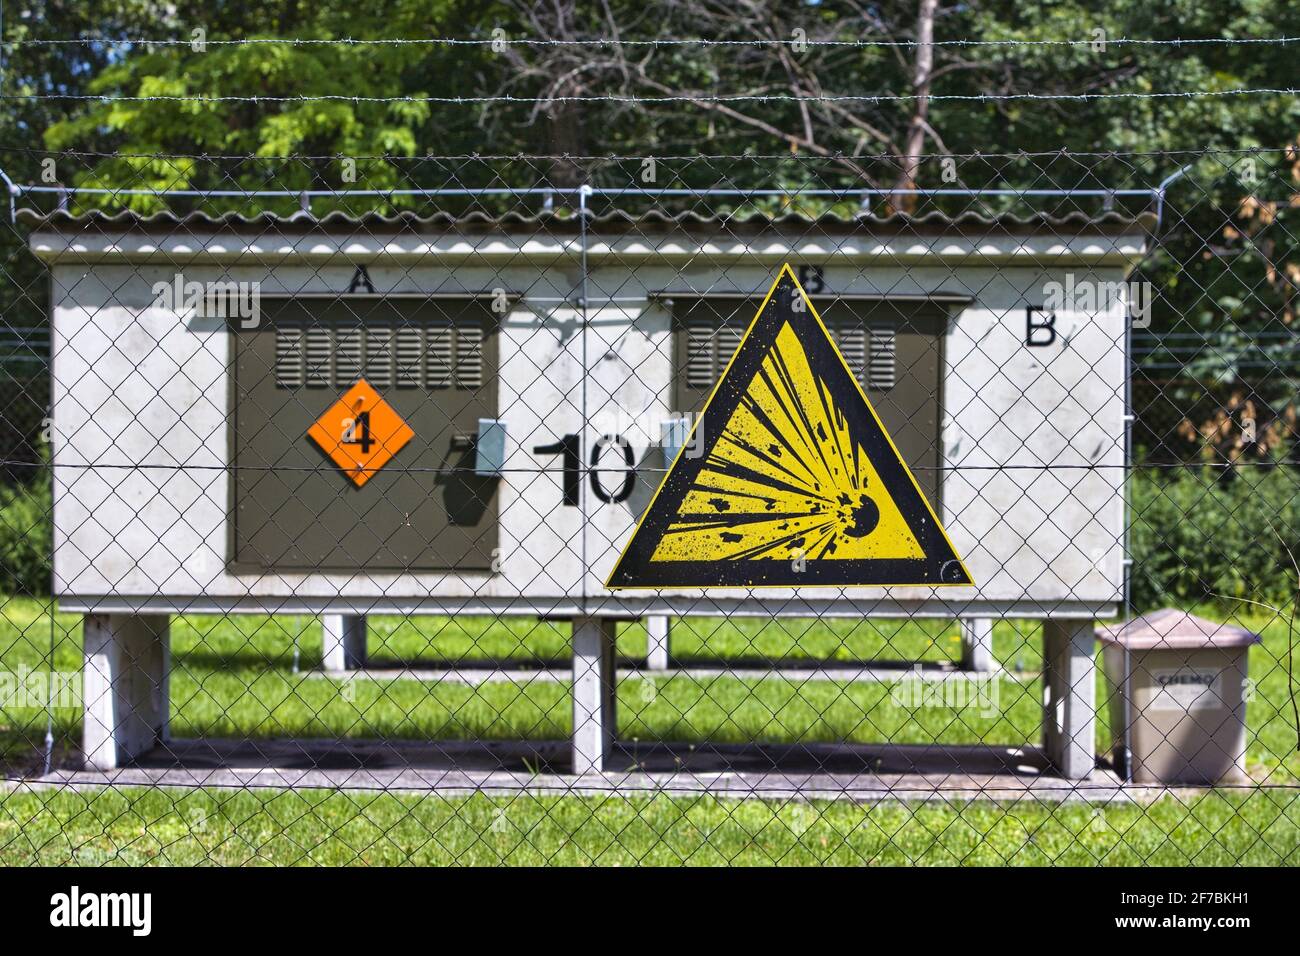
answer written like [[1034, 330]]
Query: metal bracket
[[490, 448]]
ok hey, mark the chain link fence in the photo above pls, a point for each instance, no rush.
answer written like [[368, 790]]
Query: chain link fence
[[317, 470]]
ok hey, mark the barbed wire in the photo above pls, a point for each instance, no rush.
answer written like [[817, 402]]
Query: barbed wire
[[1063, 152], [849, 193], [794, 42], [632, 99]]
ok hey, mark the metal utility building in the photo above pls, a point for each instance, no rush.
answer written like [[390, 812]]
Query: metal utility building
[[186, 478]]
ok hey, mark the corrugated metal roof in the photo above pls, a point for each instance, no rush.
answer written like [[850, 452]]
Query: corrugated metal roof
[[1070, 224]]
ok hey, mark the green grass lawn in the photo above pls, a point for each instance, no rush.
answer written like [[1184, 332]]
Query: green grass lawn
[[138, 826], [232, 677], [694, 640]]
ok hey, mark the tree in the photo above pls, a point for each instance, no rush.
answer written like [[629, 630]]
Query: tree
[[301, 143], [841, 92]]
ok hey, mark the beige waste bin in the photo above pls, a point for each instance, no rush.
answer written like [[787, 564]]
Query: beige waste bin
[[1178, 698]]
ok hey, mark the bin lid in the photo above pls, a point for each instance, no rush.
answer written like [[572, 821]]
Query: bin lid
[[1172, 628]]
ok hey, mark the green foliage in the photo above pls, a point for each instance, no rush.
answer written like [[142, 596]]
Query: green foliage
[[419, 71], [25, 537], [318, 133], [1199, 536]]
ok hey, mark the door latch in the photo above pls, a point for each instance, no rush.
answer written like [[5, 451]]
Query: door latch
[[488, 445]]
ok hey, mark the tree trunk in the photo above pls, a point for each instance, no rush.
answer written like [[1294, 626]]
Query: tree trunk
[[914, 144], [564, 134]]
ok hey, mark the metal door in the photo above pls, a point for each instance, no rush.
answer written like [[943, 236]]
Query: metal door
[[894, 348], [434, 360]]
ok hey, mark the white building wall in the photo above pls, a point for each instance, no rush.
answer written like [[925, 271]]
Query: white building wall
[[1032, 437]]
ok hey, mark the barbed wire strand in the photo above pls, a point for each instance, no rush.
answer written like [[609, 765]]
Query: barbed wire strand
[[802, 159], [632, 99], [609, 42]]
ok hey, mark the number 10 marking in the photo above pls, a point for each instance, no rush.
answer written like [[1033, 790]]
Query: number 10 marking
[[569, 446]]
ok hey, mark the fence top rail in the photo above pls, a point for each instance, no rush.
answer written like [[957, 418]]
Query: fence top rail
[[703, 192]]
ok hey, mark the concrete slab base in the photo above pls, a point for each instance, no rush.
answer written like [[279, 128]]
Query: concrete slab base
[[1070, 696], [125, 686], [860, 773]]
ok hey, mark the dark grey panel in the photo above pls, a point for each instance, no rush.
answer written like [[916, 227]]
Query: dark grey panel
[[434, 362]]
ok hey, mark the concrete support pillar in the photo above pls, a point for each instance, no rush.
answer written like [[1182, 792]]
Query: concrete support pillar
[[977, 644], [343, 641], [593, 693], [124, 687], [657, 629], [1070, 697]]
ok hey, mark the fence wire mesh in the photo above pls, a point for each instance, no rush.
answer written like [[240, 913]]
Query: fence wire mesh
[[230, 634]]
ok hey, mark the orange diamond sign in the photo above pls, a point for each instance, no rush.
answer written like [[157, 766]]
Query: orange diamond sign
[[360, 432]]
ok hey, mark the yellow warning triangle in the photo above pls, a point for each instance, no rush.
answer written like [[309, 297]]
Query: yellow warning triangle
[[788, 478]]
